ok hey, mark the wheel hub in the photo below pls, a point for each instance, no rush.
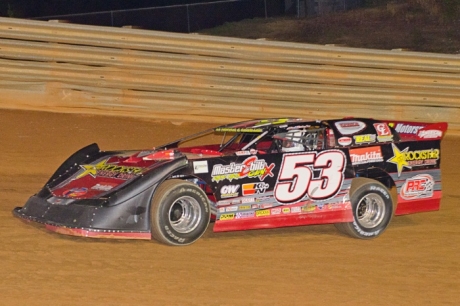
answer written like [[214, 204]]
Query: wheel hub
[[370, 210], [185, 214]]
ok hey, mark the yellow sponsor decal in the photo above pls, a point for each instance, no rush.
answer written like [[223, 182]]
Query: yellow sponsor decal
[[273, 121], [227, 217], [238, 130], [422, 154], [244, 207], [309, 208], [364, 138], [95, 169], [286, 210], [261, 213], [408, 159]]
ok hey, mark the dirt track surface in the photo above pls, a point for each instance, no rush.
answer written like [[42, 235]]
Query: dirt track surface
[[416, 261]]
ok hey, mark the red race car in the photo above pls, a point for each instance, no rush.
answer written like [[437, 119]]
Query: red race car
[[266, 173]]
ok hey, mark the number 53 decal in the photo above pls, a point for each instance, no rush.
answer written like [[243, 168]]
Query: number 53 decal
[[297, 180]]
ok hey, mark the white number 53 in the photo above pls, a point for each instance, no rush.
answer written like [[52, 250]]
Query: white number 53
[[296, 177]]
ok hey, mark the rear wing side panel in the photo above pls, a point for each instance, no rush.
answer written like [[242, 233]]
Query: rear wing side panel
[[419, 131]]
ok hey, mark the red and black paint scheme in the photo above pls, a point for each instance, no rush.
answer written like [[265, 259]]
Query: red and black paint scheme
[[356, 173]]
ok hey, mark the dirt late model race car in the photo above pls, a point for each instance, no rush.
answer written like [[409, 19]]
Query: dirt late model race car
[[355, 173]]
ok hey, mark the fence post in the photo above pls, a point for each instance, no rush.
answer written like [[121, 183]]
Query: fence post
[[265, 8], [188, 19]]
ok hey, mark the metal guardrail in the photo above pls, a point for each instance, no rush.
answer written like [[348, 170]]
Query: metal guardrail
[[172, 76]]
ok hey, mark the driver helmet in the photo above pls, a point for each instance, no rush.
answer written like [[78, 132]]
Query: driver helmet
[[292, 142]]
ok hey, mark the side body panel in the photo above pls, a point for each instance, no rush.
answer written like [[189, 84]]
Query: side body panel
[[280, 189]]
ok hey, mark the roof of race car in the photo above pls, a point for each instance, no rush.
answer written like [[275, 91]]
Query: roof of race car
[[255, 126]]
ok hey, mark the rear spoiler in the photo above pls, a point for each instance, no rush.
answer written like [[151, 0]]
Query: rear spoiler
[[419, 130]]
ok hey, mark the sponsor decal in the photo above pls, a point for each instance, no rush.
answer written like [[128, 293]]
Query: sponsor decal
[[103, 169], [408, 159], [200, 166], [59, 201], [254, 188], [234, 201], [222, 209], [367, 138], [264, 198], [244, 207], [406, 128], [255, 206], [103, 187], [366, 155], [231, 208], [224, 202], [419, 186], [272, 121], [247, 152], [266, 205], [298, 127], [350, 127], [247, 200], [245, 214], [227, 217], [296, 209], [384, 133], [242, 153], [308, 208], [276, 211], [75, 192], [286, 210], [263, 213], [229, 191], [239, 130], [251, 167], [430, 134], [345, 141], [332, 206]]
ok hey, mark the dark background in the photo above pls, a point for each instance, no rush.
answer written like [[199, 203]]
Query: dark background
[[34, 8]]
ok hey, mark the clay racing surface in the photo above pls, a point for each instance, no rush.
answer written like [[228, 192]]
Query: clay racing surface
[[416, 261]]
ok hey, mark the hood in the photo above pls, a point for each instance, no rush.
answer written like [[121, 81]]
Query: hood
[[111, 172]]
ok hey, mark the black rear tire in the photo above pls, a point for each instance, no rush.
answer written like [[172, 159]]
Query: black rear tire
[[179, 213], [372, 208]]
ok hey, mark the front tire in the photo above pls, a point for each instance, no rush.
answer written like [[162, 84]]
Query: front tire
[[372, 208], [179, 213]]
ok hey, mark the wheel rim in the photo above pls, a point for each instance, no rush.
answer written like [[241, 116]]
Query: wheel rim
[[185, 214], [370, 210]]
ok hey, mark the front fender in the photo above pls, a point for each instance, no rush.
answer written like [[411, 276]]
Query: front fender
[[146, 181]]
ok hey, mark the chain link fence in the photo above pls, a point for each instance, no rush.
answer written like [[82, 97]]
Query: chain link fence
[[303, 8], [188, 18], [179, 18]]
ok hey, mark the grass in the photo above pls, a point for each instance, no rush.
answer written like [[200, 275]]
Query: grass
[[409, 25]]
